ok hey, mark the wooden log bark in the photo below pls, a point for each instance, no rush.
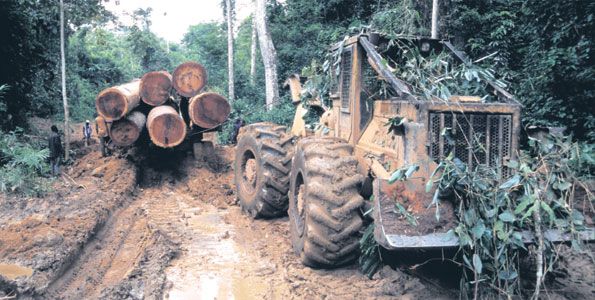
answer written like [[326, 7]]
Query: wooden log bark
[[101, 127], [166, 128], [208, 110], [189, 78], [126, 131], [116, 102], [155, 87]]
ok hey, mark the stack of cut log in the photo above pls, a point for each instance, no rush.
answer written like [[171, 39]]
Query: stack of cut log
[[169, 107]]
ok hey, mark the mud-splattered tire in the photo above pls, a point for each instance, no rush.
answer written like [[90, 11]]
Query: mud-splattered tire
[[261, 167], [324, 201]]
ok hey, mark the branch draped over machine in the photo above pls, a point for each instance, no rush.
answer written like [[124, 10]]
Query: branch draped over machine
[[208, 110], [155, 87], [166, 128], [116, 102]]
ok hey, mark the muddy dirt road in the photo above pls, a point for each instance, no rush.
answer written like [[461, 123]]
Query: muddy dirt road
[[154, 229]]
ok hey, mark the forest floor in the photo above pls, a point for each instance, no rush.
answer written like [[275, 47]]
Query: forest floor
[[122, 228]]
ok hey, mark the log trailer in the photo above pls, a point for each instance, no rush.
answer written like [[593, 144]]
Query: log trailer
[[321, 178]]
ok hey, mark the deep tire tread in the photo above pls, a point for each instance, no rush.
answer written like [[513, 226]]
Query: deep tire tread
[[275, 150], [332, 202]]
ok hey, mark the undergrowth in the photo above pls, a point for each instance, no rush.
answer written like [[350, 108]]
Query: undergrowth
[[501, 221], [22, 164]]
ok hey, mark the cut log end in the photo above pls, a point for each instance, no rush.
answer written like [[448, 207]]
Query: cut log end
[[189, 78], [209, 110], [166, 128], [126, 131], [115, 102], [111, 104], [155, 87]]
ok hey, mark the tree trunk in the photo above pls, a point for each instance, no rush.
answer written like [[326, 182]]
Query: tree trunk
[[253, 42], [208, 110], [116, 102], [268, 53], [435, 8], [126, 131], [166, 128], [155, 87], [64, 98], [189, 78], [230, 72]]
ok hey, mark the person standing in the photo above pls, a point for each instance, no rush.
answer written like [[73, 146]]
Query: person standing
[[87, 131], [237, 124], [55, 146]]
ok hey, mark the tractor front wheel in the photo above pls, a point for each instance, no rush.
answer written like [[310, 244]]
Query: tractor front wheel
[[324, 202]]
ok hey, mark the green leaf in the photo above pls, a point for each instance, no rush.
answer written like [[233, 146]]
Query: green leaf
[[506, 217], [410, 170], [549, 211], [525, 201], [429, 185], [507, 275], [477, 265], [514, 181], [397, 175], [478, 230], [564, 185]]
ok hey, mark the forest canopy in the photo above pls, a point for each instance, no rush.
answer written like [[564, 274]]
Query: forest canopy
[[545, 57]]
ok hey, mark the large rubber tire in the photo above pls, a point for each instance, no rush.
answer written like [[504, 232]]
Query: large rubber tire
[[261, 167], [324, 203]]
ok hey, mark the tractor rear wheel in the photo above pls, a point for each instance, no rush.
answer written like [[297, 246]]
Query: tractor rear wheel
[[261, 167], [324, 202]]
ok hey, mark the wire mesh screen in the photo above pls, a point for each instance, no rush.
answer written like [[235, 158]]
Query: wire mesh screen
[[475, 138]]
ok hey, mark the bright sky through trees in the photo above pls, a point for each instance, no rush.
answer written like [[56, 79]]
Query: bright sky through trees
[[171, 18]]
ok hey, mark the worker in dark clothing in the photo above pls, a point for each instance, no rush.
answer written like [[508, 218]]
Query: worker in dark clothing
[[87, 133], [237, 124], [55, 145]]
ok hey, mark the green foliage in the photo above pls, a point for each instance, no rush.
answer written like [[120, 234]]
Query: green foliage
[[544, 48], [370, 259], [494, 212], [21, 165], [254, 111], [439, 75], [30, 53]]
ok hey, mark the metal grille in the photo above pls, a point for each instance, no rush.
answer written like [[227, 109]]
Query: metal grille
[[346, 62], [475, 138]]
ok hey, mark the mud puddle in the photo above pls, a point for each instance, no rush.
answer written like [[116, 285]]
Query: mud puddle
[[212, 265], [12, 271]]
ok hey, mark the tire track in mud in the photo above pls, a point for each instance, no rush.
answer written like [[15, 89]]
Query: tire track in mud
[[106, 259]]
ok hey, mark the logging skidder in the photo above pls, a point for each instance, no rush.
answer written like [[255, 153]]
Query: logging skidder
[[156, 87], [116, 102], [126, 131], [376, 123], [189, 78], [208, 110], [166, 128]]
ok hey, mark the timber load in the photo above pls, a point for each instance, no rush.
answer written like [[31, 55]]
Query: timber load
[[208, 110], [155, 87], [116, 102], [166, 127], [189, 78], [169, 106], [126, 131]]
